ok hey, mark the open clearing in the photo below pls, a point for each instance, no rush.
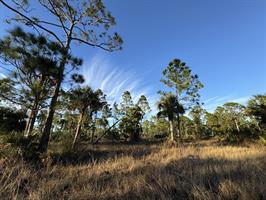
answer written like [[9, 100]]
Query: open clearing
[[155, 171]]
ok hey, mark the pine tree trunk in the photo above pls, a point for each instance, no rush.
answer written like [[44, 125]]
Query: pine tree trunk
[[43, 145], [32, 118], [92, 135], [35, 108], [178, 127], [178, 117], [237, 126], [171, 126], [35, 112], [258, 124], [78, 128], [27, 125]]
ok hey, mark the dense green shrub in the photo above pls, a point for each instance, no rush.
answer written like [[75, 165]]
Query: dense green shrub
[[130, 125], [27, 146], [12, 120]]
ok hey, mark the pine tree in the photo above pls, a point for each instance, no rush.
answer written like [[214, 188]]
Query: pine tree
[[85, 100], [81, 21], [185, 85]]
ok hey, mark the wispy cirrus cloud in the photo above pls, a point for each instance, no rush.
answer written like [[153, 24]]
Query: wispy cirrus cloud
[[114, 80], [210, 104], [2, 75]]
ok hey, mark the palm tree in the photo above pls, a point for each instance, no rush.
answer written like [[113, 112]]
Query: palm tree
[[85, 99], [170, 108]]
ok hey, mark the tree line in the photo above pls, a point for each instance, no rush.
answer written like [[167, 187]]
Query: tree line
[[41, 63]]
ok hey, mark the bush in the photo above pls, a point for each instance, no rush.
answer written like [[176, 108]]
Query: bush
[[12, 120], [27, 146], [130, 125], [113, 134]]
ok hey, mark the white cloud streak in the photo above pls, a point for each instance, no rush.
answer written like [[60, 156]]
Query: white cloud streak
[[114, 80], [211, 103], [2, 75]]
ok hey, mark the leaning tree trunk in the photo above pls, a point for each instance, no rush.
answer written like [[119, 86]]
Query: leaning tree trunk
[[78, 129], [35, 112], [237, 126], [28, 125], [32, 118], [43, 145], [114, 124], [35, 108], [171, 127]]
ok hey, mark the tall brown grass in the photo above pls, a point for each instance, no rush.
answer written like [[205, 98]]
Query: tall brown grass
[[141, 172]]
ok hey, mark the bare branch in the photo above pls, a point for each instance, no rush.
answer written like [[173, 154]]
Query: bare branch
[[9, 99], [20, 6], [32, 21], [57, 15], [52, 24], [101, 46]]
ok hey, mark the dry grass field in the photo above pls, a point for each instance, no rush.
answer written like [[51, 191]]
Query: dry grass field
[[151, 171]]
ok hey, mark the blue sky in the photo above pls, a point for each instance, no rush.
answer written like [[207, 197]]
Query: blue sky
[[223, 41]]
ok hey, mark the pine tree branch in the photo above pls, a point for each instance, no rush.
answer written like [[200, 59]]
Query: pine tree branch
[[32, 21], [101, 46]]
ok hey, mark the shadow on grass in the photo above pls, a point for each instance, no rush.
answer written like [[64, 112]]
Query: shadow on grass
[[190, 177], [88, 153], [96, 153], [187, 178]]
